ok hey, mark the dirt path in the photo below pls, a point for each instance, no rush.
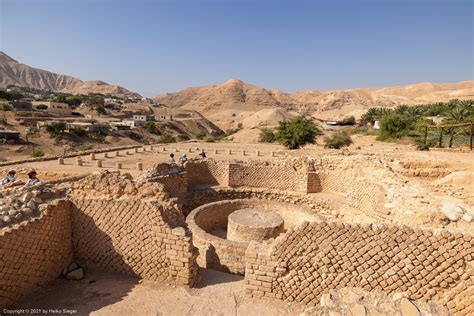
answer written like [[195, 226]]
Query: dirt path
[[102, 293]]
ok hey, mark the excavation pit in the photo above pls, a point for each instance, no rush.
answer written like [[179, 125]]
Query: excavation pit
[[253, 224]]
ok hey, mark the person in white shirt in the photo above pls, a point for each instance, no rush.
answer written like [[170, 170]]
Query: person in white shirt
[[32, 178], [9, 179]]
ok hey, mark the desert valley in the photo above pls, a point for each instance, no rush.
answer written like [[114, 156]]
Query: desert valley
[[234, 199]]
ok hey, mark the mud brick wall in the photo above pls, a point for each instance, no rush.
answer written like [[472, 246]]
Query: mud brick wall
[[132, 237], [175, 184], [316, 204], [363, 196], [210, 220], [214, 252], [314, 258], [34, 254], [271, 177], [205, 173]]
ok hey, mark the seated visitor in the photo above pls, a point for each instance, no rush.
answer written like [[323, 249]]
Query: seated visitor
[[32, 178], [9, 179]]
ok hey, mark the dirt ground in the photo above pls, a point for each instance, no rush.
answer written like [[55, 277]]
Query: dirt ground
[[101, 293]]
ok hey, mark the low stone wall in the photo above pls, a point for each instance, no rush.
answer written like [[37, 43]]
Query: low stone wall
[[34, 253], [314, 203], [218, 253], [71, 155], [315, 258], [257, 174], [131, 236]]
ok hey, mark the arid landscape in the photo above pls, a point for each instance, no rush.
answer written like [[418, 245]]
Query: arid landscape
[[307, 158], [368, 188]]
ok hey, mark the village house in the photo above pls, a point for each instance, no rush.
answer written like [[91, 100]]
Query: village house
[[62, 109]]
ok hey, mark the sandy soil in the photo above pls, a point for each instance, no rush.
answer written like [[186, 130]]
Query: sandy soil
[[101, 293]]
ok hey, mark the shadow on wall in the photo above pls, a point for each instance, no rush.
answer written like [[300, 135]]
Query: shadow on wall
[[97, 289]]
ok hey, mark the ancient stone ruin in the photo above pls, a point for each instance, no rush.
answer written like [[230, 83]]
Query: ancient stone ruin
[[276, 223]]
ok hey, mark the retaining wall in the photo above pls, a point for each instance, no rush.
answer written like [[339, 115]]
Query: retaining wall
[[34, 254], [131, 236], [315, 258]]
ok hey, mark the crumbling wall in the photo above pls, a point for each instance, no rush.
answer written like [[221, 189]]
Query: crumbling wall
[[314, 258], [34, 253]]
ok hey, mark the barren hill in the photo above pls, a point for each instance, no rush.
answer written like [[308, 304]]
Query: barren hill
[[13, 73], [237, 97]]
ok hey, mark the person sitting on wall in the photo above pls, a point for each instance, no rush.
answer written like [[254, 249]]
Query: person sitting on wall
[[183, 159], [32, 178], [203, 154], [171, 159], [9, 179]]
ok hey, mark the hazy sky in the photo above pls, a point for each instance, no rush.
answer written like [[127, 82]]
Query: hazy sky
[[162, 46]]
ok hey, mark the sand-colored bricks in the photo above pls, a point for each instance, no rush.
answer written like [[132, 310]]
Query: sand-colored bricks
[[336, 255], [253, 224]]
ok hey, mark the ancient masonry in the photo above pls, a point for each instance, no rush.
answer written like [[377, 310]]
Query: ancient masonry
[[314, 258], [34, 253], [138, 228]]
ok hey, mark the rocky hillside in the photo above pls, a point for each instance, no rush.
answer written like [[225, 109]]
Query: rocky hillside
[[13, 73], [236, 96]]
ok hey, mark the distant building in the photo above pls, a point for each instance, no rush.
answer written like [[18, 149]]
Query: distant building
[[122, 125], [437, 119], [88, 127], [163, 117], [8, 135], [377, 125], [143, 118], [62, 109]]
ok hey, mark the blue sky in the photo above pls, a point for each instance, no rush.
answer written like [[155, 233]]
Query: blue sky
[[163, 46]]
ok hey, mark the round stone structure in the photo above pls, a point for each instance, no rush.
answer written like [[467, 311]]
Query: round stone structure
[[253, 224], [212, 236]]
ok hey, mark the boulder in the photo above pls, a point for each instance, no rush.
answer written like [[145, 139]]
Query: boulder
[[467, 217], [408, 308], [77, 274], [452, 211]]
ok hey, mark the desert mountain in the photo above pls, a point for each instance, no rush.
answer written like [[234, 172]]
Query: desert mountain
[[13, 73], [235, 96]]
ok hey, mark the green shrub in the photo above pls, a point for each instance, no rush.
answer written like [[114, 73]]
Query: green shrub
[[74, 100], [183, 137], [85, 147], [3, 121], [338, 140], [77, 130], [41, 107], [151, 127], [55, 129], [166, 138], [201, 135], [266, 136], [36, 153], [297, 132], [99, 108], [5, 106], [350, 120], [393, 126]]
